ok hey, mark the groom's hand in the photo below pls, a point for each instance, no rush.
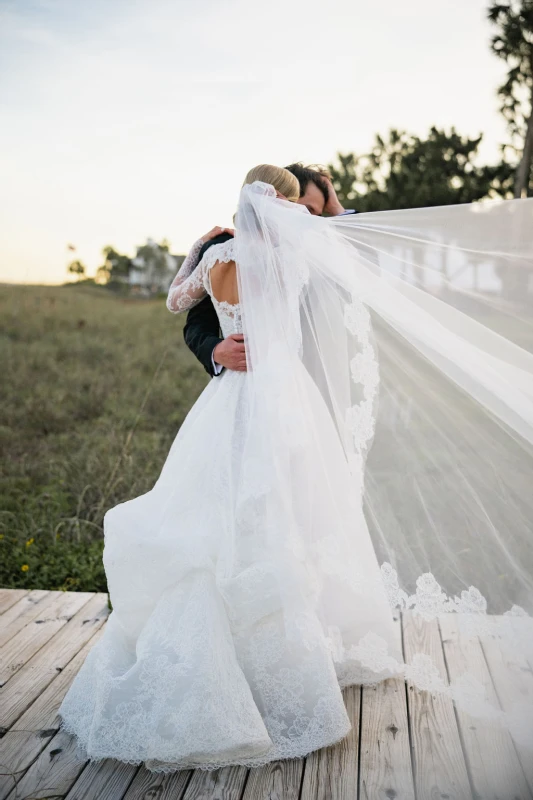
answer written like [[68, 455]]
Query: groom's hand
[[230, 353], [333, 207], [216, 231]]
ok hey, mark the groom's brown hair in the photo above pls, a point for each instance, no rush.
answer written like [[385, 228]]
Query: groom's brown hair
[[311, 174]]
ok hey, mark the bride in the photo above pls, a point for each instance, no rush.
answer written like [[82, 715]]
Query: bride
[[246, 586]]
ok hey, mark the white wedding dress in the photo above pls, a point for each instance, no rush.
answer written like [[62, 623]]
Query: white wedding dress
[[204, 660], [246, 591]]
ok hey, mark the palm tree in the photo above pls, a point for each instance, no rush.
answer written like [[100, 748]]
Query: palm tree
[[76, 268], [514, 43]]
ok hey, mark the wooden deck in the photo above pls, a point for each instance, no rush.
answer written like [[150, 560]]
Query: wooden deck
[[404, 745]]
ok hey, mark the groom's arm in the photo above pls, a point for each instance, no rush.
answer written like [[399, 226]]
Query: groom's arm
[[202, 334]]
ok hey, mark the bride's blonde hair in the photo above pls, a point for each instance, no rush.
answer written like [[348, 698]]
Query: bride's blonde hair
[[281, 179]]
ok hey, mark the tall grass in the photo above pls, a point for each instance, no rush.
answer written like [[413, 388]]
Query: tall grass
[[94, 389]]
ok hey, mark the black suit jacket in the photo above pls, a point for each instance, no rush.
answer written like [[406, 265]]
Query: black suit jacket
[[202, 329]]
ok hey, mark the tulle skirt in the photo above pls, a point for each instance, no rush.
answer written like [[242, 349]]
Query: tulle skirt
[[237, 616]]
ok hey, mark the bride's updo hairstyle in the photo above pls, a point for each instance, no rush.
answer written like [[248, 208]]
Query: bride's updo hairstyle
[[281, 179]]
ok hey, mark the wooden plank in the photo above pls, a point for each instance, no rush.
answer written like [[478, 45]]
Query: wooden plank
[[494, 768], [279, 780], [221, 784], [54, 771], [8, 598], [385, 758], [513, 680], [332, 773], [103, 780], [32, 732], [439, 763], [386, 769], [51, 659], [36, 633], [23, 612], [60, 770], [42, 713], [157, 785]]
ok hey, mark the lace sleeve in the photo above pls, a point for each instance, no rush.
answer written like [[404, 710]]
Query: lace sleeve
[[187, 288]]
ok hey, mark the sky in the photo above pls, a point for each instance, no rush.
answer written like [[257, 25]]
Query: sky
[[127, 119]]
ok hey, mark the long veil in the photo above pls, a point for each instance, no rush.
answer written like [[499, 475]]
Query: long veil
[[416, 330]]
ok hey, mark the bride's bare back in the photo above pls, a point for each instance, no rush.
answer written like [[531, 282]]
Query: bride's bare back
[[223, 277]]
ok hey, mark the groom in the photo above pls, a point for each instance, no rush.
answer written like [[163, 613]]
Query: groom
[[202, 329]]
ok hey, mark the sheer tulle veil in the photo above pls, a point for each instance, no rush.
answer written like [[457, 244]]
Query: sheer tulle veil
[[417, 331]]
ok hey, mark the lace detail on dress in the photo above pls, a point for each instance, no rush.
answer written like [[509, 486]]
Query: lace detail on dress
[[360, 418], [229, 316], [429, 600], [223, 252], [192, 283], [178, 299]]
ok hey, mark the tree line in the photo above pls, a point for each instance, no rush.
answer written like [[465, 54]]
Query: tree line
[[151, 258], [403, 170]]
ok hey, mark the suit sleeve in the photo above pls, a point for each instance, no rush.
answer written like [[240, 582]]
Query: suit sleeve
[[202, 333]]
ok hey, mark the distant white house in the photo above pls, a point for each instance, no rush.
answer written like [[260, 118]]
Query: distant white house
[[152, 269]]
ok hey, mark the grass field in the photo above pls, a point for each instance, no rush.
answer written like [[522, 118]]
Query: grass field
[[94, 389]]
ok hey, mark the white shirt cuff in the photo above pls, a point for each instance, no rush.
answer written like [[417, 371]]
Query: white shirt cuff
[[217, 368]]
